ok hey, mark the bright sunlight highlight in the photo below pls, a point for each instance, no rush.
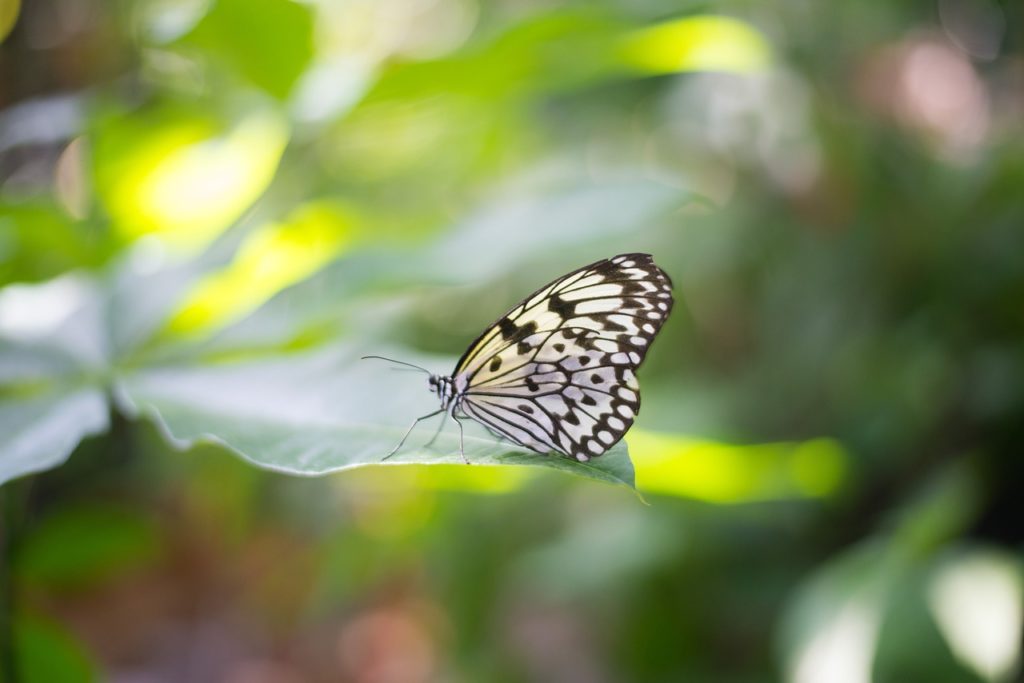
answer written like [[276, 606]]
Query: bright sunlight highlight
[[841, 651], [728, 473], [704, 43], [271, 258], [187, 190], [976, 602]]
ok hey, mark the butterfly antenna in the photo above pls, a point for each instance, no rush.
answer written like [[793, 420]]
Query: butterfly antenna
[[400, 362]]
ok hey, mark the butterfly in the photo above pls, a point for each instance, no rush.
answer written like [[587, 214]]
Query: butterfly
[[557, 373]]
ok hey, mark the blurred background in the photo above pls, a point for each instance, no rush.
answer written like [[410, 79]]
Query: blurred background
[[208, 208]]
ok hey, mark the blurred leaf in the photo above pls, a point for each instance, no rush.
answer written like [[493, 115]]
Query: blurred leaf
[[46, 653], [700, 43], [608, 548], [267, 42], [39, 241], [54, 345], [322, 412], [82, 544], [146, 286], [584, 221], [183, 174], [270, 258], [66, 315], [40, 432], [833, 624], [590, 216], [940, 509], [830, 630], [728, 473], [8, 16], [547, 51], [25, 363], [976, 597]]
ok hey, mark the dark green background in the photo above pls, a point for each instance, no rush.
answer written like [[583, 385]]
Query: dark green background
[[210, 209]]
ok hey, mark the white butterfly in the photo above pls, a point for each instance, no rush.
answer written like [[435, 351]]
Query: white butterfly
[[556, 373]]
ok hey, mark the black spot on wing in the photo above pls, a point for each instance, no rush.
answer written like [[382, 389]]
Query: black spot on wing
[[508, 328], [525, 331], [565, 309]]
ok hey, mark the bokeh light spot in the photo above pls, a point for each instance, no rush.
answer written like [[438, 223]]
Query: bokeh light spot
[[818, 466], [187, 185], [976, 601], [8, 16], [702, 43], [843, 649], [271, 258], [728, 473]]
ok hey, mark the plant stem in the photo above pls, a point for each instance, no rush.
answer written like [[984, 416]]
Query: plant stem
[[9, 522]]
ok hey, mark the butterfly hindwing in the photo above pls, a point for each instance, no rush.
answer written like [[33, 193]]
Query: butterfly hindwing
[[556, 373]]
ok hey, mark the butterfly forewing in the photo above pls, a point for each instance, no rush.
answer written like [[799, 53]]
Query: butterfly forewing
[[556, 373]]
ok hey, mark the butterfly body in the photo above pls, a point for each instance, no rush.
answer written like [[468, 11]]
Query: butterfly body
[[557, 372]]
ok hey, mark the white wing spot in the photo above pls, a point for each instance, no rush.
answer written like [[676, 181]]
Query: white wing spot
[[625, 411], [594, 447], [605, 436], [615, 423], [606, 305], [639, 341]]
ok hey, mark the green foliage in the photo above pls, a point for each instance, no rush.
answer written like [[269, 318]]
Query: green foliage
[[85, 544], [209, 211], [47, 653], [231, 32]]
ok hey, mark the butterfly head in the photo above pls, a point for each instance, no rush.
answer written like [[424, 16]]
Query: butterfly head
[[442, 386]]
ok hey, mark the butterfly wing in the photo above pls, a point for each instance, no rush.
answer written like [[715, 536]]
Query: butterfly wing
[[557, 372]]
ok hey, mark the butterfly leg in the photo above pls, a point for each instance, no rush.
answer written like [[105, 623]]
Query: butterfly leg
[[409, 431], [437, 433], [462, 440]]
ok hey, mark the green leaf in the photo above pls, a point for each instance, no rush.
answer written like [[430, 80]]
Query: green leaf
[[38, 240], [504, 234], [40, 432], [22, 362], [53, 344], [82, 544], [501, 237], [142, 298], [267, 42], [549, 52], [61, 321], [46, 653], [321, 412], [832, 624]]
